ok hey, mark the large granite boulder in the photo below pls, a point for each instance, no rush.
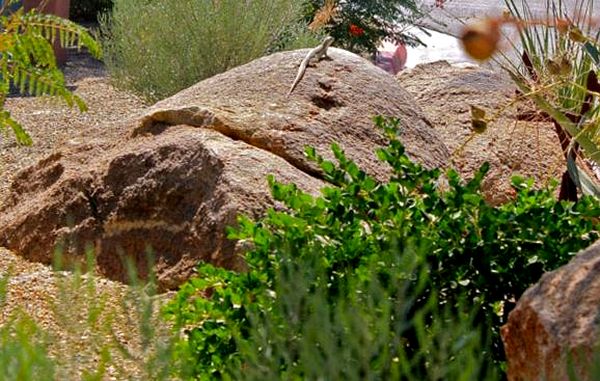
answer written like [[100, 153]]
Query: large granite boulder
[[193, 162], [334, 102], [557, 319]]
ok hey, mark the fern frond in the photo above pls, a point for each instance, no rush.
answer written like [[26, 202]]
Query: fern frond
[[7, 122], [40, 81], [34, 50], [28, 63], [69, 33]]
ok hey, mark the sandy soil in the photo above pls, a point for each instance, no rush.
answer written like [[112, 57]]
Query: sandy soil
[[62, 303]]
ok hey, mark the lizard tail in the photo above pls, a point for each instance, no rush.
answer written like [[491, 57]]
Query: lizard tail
[[299, 77]]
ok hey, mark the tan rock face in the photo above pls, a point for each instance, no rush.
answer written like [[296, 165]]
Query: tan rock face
[[195, 161], [334, 102], [556, 318], [170, 197], [511, 146]]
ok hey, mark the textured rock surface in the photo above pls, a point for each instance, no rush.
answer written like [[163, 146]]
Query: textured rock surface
[[559, 315], [512, 147], [172, 194], [334, 102], [195, 161]]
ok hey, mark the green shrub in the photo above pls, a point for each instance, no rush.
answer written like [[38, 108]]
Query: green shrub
[[361, 229], [366, 329], [301, 327], [158, 48], [361, 26], [89, 10]]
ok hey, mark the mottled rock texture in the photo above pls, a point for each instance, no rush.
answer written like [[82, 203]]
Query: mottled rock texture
[[557, 318], [513, 143], [183, 172]]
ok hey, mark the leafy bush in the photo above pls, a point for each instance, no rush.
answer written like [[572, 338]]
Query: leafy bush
[[319, 261], [89, 10], [360, 26], [27, 61], [160, 47], [361, 326]]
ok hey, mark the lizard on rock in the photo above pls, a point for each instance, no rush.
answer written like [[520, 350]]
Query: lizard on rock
[[317, 53]]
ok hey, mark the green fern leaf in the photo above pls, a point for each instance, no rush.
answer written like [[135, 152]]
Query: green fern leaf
[[27, 60], [6, 121]]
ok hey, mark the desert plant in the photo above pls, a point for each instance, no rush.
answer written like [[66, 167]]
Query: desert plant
[[368, 329], [119, 335], [27, 61], [360, 26], [558, 71], [488, 255], [93, 335], [24, 351], [156, 48], [23, 345], [555, 57]]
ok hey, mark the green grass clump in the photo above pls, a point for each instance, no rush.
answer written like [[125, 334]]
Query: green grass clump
[[24, 351], [23, 346], [371, 260], [89, 333], [157, 48]]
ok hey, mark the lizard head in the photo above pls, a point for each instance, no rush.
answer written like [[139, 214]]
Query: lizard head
[[328, 40]]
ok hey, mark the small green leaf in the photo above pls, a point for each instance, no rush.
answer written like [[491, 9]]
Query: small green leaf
[[593, 52]]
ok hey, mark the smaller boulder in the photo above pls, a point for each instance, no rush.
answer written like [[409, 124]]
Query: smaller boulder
[[511, 144], [555, 320]]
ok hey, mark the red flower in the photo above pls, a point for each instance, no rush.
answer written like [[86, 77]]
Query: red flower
[[356, 31]]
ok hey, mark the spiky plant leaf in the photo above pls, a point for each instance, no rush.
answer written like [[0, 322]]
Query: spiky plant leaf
[[559, 51]]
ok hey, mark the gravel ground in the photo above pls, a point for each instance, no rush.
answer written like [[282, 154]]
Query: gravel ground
[[61, 303], [52, 124]]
